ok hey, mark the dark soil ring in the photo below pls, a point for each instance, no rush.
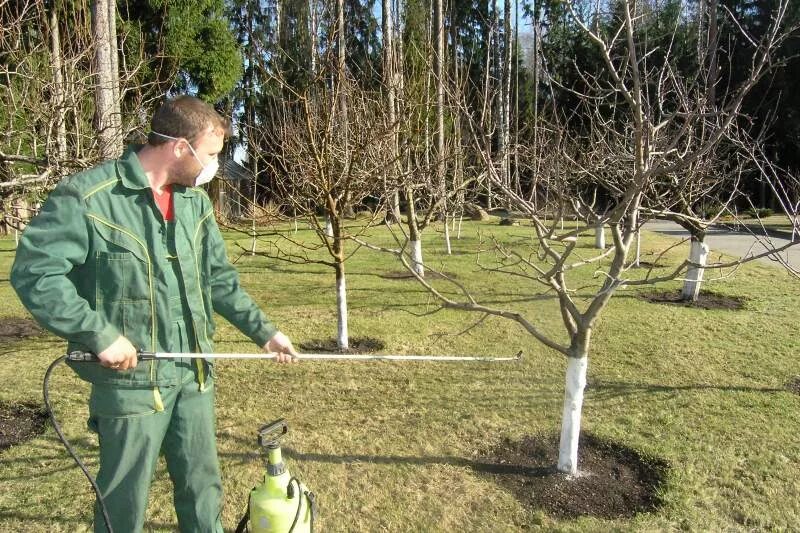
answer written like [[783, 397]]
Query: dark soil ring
[[614, 481], [20, 422], [793, 385], [13, 328], [405, 274], [705, 300], [357, 345]]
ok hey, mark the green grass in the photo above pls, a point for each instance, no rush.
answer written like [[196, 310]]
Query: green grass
[[387, 446], [775, 222]]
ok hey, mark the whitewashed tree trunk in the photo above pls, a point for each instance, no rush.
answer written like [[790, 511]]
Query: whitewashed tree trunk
[[328, 227], [448, 249], [599, 237], [341, 306], [416, 257], [575, 384], [638, 257], [698, 253]]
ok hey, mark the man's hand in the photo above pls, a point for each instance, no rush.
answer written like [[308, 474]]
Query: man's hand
[[282, 347], [121, 355]]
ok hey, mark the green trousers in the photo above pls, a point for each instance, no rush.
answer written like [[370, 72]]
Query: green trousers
[[133, 433]]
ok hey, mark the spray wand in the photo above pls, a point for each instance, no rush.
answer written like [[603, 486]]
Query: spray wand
[[86, 357]]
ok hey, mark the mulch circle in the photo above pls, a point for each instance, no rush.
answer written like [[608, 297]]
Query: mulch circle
[[357, 345], [12, 328], [614, 481], [405, 274], [793, 385], [705, 300], [20, 422]]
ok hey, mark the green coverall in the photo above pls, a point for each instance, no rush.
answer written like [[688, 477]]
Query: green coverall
[[99, 261]]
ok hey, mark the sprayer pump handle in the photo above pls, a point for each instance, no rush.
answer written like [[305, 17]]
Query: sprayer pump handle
[[272, 432]]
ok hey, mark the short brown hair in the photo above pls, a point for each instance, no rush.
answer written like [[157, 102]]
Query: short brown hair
[[187, 117]]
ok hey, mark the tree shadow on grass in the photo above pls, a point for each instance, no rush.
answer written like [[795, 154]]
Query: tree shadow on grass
[[70, 524], [614, 389]]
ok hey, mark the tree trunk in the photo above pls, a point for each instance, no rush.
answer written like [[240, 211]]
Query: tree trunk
[[698, 253], [314, 24], [116, 116], [440, 167], [342, 338], [109, 138], [58, 87], [599, 237], [415, 239], [575, 384], [416, 257], [505, 97]]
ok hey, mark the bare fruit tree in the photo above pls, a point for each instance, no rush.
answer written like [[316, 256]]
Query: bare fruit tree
[[323, 169], [616, 171]]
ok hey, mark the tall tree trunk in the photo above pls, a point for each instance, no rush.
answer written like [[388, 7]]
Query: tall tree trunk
[[114, 53], [486, 113], [314, 24], [343, 92], [440, 166], [109, 137], [59, 90], [505, 97]]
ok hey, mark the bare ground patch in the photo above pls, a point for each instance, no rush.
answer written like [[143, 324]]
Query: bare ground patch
[[614, 481], [705, 300], [20, 422], [405, 274], [793, 385], [357, 345], [13, 329]]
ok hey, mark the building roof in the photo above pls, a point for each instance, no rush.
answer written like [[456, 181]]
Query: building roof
[[230, 170]]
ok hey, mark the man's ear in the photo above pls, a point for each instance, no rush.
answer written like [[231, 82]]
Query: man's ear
[[178, 148]]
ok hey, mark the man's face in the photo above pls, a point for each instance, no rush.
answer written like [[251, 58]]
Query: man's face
[[186, 167]]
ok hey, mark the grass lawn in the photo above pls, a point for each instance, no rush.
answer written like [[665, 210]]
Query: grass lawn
[[388, 446], [774, 222]]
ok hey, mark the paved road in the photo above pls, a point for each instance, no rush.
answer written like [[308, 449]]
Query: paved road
[[733, 243]]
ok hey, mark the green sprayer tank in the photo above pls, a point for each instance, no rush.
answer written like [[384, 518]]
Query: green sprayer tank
[[281, 504]]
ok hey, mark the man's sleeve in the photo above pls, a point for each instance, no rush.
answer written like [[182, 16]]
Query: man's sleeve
[[228, 297], [55, 242]]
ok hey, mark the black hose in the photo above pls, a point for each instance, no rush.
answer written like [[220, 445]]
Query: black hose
[[68, 446], [242, 526], [299, 501]]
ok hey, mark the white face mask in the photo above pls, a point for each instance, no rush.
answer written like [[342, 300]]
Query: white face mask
[[208, 171]]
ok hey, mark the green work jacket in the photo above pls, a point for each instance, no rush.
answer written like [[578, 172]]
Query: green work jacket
[[94, 264]]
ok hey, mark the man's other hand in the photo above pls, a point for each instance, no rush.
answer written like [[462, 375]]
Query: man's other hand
[[121, 355], [282, 347]]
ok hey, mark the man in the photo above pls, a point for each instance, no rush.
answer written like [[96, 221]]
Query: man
[[127, 256]]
